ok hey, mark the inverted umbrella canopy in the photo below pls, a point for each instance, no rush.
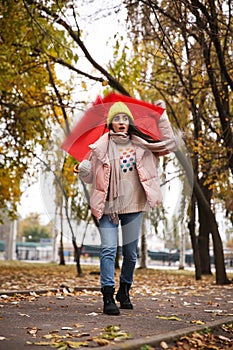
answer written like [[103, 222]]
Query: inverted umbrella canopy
[[93, 123]]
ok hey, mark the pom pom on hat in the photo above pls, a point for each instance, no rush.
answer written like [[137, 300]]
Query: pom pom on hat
[[117, 108]]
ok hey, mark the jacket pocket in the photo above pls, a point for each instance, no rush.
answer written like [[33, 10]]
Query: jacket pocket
[[102, 178], [97, 200]]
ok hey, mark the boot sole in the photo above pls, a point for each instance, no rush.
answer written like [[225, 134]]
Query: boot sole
[[126, 307], [115, 313], [122, 306]]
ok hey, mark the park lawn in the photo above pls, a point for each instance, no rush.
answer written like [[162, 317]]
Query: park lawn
[[19, 275]]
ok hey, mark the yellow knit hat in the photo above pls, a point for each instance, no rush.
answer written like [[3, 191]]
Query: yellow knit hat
[[117, 108]]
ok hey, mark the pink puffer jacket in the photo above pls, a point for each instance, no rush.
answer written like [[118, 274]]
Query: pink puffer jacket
[[146, 164]]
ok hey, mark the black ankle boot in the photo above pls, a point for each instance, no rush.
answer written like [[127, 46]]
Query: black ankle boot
[[123, 296], [110, 307]]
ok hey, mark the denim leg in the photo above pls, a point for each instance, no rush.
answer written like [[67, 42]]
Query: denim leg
[[131, 228], [109, 239]]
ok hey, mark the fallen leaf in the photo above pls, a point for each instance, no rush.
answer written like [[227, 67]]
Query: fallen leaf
[[101, 341], [76, 344], [115, 333], [52, 336], [42, 343], [171, 318], [228, 328], [23, 315], [110, 328], [78, 325], [164, 345], [80, 335], [33, 331], [67, 328], [197, 322], [54, 331], [224, 339], [217, 311]]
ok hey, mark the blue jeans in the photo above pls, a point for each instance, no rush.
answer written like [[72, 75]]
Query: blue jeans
[[131, 226]]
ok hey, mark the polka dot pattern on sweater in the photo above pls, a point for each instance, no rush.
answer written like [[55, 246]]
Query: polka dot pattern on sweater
[[127, 158]]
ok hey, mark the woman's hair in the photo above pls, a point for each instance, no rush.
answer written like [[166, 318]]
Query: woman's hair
[[133, 130]]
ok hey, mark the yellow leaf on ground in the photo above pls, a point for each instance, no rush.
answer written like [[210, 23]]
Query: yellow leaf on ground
[[76, 344], [101, 341], [170, 318], [197, 322]]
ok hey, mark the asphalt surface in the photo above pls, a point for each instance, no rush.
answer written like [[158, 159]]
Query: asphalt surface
[[28, 318]]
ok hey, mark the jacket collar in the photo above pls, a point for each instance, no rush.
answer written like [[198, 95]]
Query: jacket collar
[[100, 147]]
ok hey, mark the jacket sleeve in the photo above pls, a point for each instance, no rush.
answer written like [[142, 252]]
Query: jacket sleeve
[[167, 133], [86, 172], [168, 136]]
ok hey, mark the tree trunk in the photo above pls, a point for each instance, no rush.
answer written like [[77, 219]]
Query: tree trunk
[[54, 237], [204, 232], [11, 241], [191, 225], [143, 255], [61, 250], [77, 255], [204, 245], [182, 247], [221, 277]]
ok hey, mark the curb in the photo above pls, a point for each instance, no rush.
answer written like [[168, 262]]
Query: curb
[[135, 344]]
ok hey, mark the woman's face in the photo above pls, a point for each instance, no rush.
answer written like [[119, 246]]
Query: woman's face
[[120, 123]]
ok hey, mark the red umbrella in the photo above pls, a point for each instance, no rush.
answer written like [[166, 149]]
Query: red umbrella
[[93, 123]]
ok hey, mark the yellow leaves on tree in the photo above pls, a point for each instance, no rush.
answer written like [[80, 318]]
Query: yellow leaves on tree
[[9, 190]]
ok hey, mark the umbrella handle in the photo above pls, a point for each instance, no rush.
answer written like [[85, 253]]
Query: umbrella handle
[[76, 169]]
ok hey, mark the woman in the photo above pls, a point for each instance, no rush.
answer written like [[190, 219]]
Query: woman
[[123, 172]]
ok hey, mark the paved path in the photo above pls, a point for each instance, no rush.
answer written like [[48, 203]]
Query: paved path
[[26, 319]]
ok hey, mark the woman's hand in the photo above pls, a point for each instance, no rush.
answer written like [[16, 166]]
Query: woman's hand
[[83, 168]]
